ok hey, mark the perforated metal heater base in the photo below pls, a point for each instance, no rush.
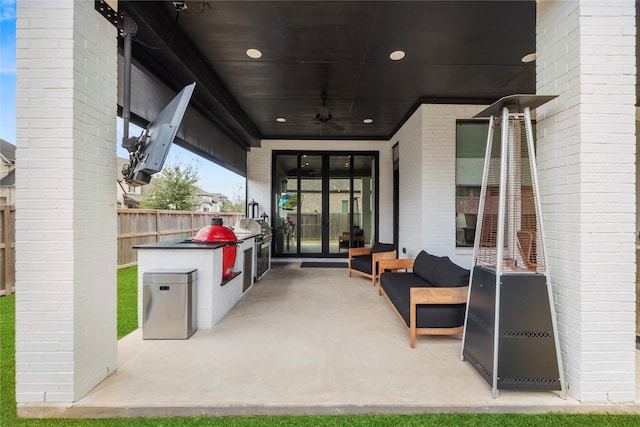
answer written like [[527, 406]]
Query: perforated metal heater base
[[526, 353]]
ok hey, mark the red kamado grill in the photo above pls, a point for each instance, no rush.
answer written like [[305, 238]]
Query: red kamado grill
[[218, 233]]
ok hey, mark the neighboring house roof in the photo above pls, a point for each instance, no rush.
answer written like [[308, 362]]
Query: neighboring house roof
[[215, 197], [7, 164], [131, 200], [7, 152], [9, 179], [220, 196]]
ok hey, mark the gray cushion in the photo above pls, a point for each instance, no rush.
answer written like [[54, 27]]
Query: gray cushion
[[401, 279], [361, 263], [449, 274], [425, 265], [382, 247], [398, 286]]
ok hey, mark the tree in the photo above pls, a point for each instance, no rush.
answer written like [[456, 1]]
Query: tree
[[173, 188], [237, 201]]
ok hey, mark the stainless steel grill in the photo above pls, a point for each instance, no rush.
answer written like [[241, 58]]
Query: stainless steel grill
[[253, 227], [263, 234]]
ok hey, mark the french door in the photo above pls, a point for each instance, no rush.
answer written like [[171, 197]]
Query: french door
[[324, 202]]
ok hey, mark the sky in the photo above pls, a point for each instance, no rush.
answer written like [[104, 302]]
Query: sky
[[212, 178]]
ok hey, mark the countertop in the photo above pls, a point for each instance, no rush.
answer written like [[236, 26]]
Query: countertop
[[189, 244]]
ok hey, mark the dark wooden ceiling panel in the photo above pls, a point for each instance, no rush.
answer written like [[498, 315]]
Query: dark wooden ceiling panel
[[307, 31], [456, 51], [283, 80], [454, 32]]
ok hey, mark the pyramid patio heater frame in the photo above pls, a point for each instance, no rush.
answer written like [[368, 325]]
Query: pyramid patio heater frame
[[510, 332]]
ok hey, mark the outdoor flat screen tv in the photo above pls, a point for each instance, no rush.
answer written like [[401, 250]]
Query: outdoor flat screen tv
[[148, 152]]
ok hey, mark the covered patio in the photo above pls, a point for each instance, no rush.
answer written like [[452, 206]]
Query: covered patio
[[286, 348], [303, 341]]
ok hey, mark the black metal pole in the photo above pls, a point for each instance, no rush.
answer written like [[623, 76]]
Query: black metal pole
[[129, 30]]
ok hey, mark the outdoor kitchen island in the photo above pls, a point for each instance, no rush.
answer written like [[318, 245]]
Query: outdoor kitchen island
[[214, 296]]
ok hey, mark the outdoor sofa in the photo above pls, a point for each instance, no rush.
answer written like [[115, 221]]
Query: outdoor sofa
[[431, 298]]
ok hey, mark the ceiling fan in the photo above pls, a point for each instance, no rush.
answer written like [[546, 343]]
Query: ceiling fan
[[324, 115]]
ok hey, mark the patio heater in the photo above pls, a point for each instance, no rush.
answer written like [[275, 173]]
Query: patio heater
[[510, 333]]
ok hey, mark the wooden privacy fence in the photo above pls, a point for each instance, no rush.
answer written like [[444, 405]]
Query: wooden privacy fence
[[135, 227], [141, 226], [7, 249]]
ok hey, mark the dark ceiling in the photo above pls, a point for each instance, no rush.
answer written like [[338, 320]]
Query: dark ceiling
[[456, 52]]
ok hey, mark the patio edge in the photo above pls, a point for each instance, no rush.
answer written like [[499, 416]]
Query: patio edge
[[73, 411]]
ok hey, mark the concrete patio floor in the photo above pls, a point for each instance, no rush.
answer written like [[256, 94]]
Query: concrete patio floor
[[303, 341]]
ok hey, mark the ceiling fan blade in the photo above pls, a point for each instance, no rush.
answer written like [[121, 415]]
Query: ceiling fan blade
[[335, 126]]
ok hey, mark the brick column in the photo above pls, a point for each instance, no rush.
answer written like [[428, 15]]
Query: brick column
[[586, 153], [66, 225]]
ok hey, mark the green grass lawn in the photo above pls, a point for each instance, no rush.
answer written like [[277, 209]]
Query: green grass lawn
[[127, 300], [127, 322]]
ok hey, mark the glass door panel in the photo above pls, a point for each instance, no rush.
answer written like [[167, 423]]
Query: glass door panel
[[311, 218], [339, 204], [324, 203], [364, 191], [286, 205]]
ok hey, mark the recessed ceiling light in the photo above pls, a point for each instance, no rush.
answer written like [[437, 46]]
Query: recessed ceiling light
[[529, 58], [367, 121], [281, 120], [396, 55], [254, 53]]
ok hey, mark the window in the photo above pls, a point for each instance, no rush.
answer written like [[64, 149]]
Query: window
[[471, 144]]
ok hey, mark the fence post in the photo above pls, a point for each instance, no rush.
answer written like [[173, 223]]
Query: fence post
[[157, 226], [7, 258]]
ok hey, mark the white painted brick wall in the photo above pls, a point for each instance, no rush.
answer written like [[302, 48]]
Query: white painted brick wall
[[66, 213], [427, 143], [409, 140], [439, 179], [586, 153], [259, 173]]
